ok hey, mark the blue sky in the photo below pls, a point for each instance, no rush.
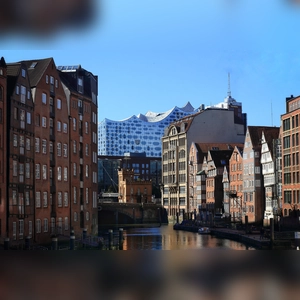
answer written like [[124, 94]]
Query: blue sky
[[154, 55]]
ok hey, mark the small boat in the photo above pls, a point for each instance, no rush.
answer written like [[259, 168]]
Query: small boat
[[204, 230]]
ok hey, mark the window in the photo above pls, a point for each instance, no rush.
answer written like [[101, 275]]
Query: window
[[38, 199], [65, 173], [47, 79], [15, 140], [86, 171], [44, 122], [87, 216], [66, 199], [80, 85], [45, 199], [44, 98], [37, 171], [65, 128], [14, 197], [74, 124], [87, 195], [58, 149], [27, 198], [23, 72], [44, 172], [74, 147], [23, 94], [22, 118], [86, 127], [37, 145], [74, 169], [28, 144], [16, 113], [56, 83], [59, 199], [44, 146], [22, 144], [75, 216], [17, 90], [38, 226], [45, 225], [87, 149], [58, 126], [27, 170], [58, 103], [75, 194], [28, 117], [59, 173], [65, 150], [15, 168]]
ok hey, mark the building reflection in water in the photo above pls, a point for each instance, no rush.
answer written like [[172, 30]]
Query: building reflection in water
[[165, 238]]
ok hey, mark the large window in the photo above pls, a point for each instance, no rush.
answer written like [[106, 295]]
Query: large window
[[286, 124], [286, 142]]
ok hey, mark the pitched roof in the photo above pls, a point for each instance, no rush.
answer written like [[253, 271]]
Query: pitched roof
[[256, 134], [271, 135], [36, 69], [220, 157], [203, 148]]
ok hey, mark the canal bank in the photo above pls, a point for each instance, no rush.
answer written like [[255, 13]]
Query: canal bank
[[283, 240]]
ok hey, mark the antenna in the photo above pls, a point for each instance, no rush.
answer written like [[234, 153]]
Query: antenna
[[229, 92]]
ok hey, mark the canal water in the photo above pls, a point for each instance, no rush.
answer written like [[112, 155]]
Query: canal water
[[165, 238]]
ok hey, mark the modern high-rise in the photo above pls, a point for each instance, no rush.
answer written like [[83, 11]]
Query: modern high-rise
[[139, 134]]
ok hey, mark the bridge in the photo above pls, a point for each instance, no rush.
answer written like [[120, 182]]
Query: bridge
[[116, 213]]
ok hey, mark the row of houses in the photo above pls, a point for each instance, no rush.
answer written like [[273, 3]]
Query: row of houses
[[48, 150], [215, 164]]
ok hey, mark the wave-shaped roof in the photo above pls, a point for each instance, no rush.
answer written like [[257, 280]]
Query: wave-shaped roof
[[153, 117]]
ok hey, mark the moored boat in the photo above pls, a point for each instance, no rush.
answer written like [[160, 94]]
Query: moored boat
[[204, 230]]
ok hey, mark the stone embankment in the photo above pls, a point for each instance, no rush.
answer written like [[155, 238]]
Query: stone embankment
[[254, 238]]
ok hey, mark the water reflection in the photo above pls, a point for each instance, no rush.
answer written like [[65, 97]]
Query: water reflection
[[165, 238]]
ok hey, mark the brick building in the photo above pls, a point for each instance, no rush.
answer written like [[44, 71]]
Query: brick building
[[81, 89], [132, 190], [235, 193], [290, 156], [37, 170]]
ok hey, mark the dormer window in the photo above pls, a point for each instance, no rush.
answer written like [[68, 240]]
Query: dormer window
[[80, 85], [23, 72]]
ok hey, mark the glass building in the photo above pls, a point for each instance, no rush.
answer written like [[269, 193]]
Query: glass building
[[138, 134]]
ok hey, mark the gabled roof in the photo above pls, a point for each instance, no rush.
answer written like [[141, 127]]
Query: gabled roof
[[220, 157], [36, 69], [256, 134], [203, 148], [270, 136]]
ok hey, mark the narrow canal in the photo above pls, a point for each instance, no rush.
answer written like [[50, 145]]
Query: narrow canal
[[165, 238]]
